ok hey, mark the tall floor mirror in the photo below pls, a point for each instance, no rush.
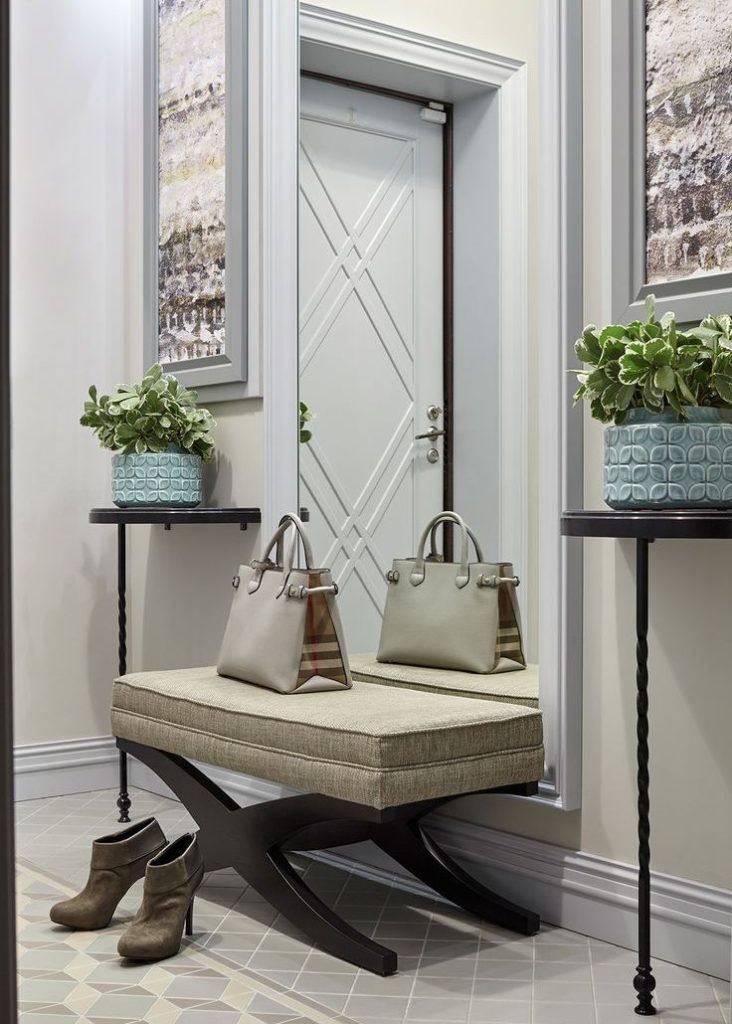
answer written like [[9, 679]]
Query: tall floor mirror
[[419, 371]]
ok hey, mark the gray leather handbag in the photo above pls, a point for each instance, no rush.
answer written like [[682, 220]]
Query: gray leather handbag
[[457, 615], [284, 631]]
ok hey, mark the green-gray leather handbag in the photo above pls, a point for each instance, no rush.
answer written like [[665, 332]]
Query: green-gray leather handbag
[[284, 631], [457, 615]]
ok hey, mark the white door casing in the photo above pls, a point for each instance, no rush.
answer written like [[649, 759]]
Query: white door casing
[[370, 335]]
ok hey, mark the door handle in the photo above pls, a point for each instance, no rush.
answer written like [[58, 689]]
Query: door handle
[[430, 434]]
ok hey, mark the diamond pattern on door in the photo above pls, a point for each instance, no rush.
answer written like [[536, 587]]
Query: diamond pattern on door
[[357, 358]]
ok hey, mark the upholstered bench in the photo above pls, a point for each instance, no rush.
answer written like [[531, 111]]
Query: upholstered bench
[[516, 687], [373, 761]]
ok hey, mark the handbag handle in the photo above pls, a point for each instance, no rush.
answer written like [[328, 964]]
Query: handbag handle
[[471, 535], [463, 575], [288, 520]]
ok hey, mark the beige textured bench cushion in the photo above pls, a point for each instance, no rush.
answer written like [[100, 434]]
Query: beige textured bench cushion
[[520, 687], [376, 745]]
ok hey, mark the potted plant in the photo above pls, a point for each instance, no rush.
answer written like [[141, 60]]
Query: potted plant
[[306, 415], [161, 440], [667, 394]]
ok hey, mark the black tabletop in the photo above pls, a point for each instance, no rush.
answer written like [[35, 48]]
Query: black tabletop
[[692, 524], [175, 515]]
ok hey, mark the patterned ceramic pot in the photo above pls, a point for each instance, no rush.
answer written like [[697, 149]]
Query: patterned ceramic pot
[[655, 460], [172, 479]]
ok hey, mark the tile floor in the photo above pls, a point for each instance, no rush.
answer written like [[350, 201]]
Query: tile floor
[[453, 970], [77, 977]]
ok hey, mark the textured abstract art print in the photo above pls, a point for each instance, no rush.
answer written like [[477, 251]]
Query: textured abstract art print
[[688, 139], [191, 179]]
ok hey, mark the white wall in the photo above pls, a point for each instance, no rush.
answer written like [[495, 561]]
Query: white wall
[[68, 330]]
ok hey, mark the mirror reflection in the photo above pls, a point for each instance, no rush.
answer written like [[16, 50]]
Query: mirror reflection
[[399, 356]]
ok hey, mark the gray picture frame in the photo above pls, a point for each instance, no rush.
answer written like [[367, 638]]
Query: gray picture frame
[[222, 377], [690, 298]]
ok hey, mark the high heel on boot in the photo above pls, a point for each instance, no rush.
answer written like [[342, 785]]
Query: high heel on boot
[[117, 861], [171, 881]]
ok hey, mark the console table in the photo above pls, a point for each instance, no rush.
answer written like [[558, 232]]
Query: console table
[[166, 517], [645, 527]]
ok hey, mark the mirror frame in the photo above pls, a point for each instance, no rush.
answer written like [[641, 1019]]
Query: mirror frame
[[560, 296], [8, 1006]]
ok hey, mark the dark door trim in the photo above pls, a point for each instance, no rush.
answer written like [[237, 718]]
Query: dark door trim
[[8, 1004], [447, 274]]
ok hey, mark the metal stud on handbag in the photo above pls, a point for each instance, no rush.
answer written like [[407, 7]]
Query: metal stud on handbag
[[284, 631], [455, 615]]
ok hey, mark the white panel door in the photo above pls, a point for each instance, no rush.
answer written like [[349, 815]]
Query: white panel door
[[370, 336]]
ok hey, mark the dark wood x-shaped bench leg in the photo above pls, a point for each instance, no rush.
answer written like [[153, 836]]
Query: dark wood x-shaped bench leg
[[254, 840]]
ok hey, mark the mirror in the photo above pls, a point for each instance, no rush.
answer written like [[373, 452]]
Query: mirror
[[417, 390]]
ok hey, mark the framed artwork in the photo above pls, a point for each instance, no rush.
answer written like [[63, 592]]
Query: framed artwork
[[670, 66], [195, 193]]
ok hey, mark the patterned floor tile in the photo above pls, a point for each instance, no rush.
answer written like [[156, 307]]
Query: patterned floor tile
[[246, 965]]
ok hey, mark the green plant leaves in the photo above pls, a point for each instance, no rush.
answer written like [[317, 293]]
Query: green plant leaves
[[723, 385], [658, 352], [588, 347], [306, 415], [654, 365], [150, 416], [633, 369], [684, 391]]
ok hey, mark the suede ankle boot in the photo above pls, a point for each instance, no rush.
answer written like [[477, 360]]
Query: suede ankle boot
[[117, 861], [171, 880]]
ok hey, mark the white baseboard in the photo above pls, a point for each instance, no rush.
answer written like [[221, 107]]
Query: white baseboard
[[691, 922], [579, 891], [68, 766]]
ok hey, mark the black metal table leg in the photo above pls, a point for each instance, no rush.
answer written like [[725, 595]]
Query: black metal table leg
[[123, 800], [644, 982]]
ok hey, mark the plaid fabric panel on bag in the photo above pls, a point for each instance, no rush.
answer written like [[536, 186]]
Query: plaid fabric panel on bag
[[508, 640], [321, 652]]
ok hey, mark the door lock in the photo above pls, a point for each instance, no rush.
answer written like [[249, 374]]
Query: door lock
[[433, 412], [430, 434], [433, 455]]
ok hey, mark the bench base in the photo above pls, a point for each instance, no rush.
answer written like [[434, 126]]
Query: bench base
[[255, 839]]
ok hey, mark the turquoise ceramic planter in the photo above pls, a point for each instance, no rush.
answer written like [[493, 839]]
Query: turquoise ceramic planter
[[171, 479], [655, 460]]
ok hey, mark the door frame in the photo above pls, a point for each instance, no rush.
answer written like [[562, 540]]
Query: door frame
[[560, 472], [447, 273]]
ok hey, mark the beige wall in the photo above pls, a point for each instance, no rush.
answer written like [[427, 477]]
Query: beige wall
[[690, 644], [68, 322], [77, 319]]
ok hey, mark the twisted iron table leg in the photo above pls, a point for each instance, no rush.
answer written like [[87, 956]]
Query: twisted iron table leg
[[644, 982], [123, 800]]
